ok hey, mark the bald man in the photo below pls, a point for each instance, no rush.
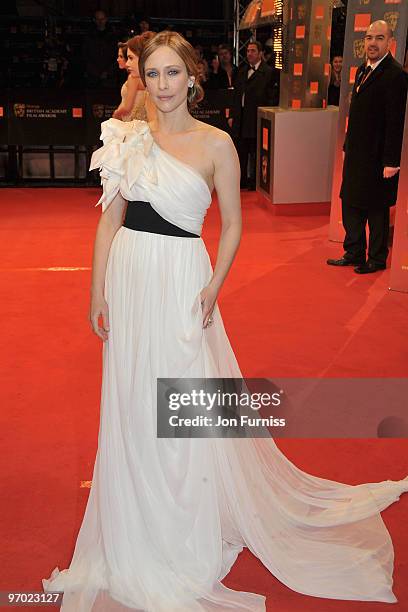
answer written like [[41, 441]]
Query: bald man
[[372, 153]]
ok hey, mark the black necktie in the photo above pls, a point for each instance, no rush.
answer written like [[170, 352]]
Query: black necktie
[[364, 75]]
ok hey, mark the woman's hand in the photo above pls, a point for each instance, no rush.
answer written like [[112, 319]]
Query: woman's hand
[[208, 297], [99, 308]]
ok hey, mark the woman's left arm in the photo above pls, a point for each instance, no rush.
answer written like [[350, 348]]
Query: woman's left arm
[[227, 185], [126, 106]]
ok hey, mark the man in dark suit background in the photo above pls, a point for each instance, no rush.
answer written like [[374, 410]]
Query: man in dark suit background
[[372, 153], [255, 85]]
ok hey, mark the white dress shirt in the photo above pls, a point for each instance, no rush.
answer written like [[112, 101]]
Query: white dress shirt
[[375, 64]]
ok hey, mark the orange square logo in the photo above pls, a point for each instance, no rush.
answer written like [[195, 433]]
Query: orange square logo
[[77, 113], [392, 1], [317, 50], [1, 111], [300, 31], [362, 21], [265, 139], [296, 103], [314, 87], [326, 69], [319, 13], [353, 71], [298, 69], [324, 103]]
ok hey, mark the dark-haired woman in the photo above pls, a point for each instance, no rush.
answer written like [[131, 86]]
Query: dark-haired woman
[[135, 102]]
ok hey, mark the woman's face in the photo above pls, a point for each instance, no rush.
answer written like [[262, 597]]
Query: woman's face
[[167, 79], [132, 63], [121, 60], [337, 63]]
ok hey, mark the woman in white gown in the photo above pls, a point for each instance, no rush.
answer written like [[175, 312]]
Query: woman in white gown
[[166, 518]]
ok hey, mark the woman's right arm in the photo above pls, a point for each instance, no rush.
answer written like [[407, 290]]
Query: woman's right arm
[[109, 223]]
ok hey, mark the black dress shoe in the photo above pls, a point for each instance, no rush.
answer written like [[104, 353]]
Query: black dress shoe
[[368, 268], [343, 261]]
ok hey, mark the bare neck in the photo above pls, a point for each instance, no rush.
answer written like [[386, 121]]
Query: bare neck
[[176, 121]]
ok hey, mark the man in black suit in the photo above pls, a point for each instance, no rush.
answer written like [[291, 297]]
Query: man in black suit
[[372, 153], [255, 85]]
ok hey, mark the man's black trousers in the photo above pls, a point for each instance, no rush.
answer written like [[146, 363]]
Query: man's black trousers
[[354, 221]]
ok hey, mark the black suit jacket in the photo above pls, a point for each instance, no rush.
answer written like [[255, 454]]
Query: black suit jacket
[[220, 80], [374, 136], [261, 89]]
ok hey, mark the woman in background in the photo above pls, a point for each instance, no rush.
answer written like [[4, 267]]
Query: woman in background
[[122, 55], [333, 97], [203, 74], [135, 99]]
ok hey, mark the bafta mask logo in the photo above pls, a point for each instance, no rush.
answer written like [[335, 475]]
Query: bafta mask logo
[[296, 87], [358, 48], [298, 50], [392, 19], [301, 12], [19, 110], [318, 31], [264, 169], [98, 111], [364, 2]]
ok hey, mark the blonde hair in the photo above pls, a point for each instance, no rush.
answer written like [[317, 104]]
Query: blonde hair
[[185, 51]]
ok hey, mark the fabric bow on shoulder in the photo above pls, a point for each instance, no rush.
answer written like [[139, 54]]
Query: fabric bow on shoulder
[[124, 154]]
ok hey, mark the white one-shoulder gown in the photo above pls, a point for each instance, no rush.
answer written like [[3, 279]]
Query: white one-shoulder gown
[[166, 518]]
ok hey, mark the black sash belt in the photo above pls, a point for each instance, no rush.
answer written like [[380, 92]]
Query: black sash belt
[[141, 216]]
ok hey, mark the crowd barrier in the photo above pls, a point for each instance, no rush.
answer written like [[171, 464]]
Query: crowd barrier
[[50, 134]]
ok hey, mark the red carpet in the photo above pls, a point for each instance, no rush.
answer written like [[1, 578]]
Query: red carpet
[[287, 314]]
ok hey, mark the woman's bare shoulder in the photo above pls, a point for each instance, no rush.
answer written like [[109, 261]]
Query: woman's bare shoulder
[[216, 140], [134, 82]]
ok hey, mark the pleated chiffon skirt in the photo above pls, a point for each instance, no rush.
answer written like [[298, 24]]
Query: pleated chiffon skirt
[[166, 518]]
